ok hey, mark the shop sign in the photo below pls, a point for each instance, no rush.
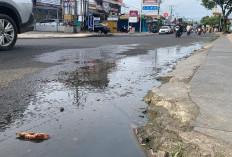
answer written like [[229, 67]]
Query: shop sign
[[215, 11], [92, 6], [134, 13], [99, 7], [91, 22], [133, 19]]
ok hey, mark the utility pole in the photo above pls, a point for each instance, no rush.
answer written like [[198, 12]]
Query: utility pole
[[63, 10], [75, 16], [171, 10], [84, 9], [171, 14], [140, 30], [81, 13], [57, 18], [88, 14], [160, 1]]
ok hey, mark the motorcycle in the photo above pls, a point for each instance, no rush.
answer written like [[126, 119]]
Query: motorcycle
[[124, 29], [199, 31], [204, 31], [177, 31], [189, 32]]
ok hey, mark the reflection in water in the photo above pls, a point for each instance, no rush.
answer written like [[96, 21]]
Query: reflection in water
[[92, 74]]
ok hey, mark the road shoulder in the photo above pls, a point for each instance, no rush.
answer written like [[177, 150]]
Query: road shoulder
[[171, 111]]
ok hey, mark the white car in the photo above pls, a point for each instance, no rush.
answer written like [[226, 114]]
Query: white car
[[165, 30], [15, 17], [49, 22]]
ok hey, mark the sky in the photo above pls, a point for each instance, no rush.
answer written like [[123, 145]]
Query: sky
[[191, 9]]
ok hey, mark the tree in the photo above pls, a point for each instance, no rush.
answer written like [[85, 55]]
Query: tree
[[225, 5], [185, 24], [213, 20]]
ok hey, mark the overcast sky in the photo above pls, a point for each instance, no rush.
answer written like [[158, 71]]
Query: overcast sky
[[187, 8]]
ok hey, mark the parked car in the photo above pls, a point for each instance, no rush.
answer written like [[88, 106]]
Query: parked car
[[165, 30], [154, 29], [101, 28], [15, 17], [47, 22]]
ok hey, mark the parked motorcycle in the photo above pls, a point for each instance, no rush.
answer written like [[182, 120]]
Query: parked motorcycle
[[124, 29]]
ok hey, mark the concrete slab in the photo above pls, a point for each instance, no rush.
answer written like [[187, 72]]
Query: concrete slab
[[211, 90]]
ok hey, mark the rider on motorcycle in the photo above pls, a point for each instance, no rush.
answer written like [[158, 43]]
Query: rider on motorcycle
[[180, 27], [189, 28]]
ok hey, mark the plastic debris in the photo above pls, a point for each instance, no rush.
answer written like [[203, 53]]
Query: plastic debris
[[33, 136], [143, 144], [134, 109]]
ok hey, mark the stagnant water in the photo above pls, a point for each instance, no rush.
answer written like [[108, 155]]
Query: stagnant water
[[102, 100]]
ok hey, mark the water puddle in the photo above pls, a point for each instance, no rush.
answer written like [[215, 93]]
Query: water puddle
[[101, 96]]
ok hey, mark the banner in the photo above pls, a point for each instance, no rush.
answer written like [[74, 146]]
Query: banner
[[91, 22], [106, 5], [133, 19], [150, 2], [92, 6], [150, 5]]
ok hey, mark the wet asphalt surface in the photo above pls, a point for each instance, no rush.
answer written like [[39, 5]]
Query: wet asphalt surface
[[100, 82]]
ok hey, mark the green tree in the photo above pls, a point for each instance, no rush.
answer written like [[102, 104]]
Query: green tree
[[185, 24], [225, 5], [213, 20], [205, 20]]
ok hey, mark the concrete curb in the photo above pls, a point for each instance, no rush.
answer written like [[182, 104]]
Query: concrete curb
[[48, 36], [52, 36]]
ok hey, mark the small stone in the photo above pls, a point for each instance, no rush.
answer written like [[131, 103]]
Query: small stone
[[144, 112], [135, 131], [97, 99], [150, 152], [61, 109]]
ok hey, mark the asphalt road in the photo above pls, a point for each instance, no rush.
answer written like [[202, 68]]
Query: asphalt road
[[25, 49], [32, 88]]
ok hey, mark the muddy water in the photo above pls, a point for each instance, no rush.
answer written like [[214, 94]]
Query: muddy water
[[102, 101]]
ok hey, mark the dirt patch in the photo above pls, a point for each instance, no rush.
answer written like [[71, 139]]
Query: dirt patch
[[170, 111]]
